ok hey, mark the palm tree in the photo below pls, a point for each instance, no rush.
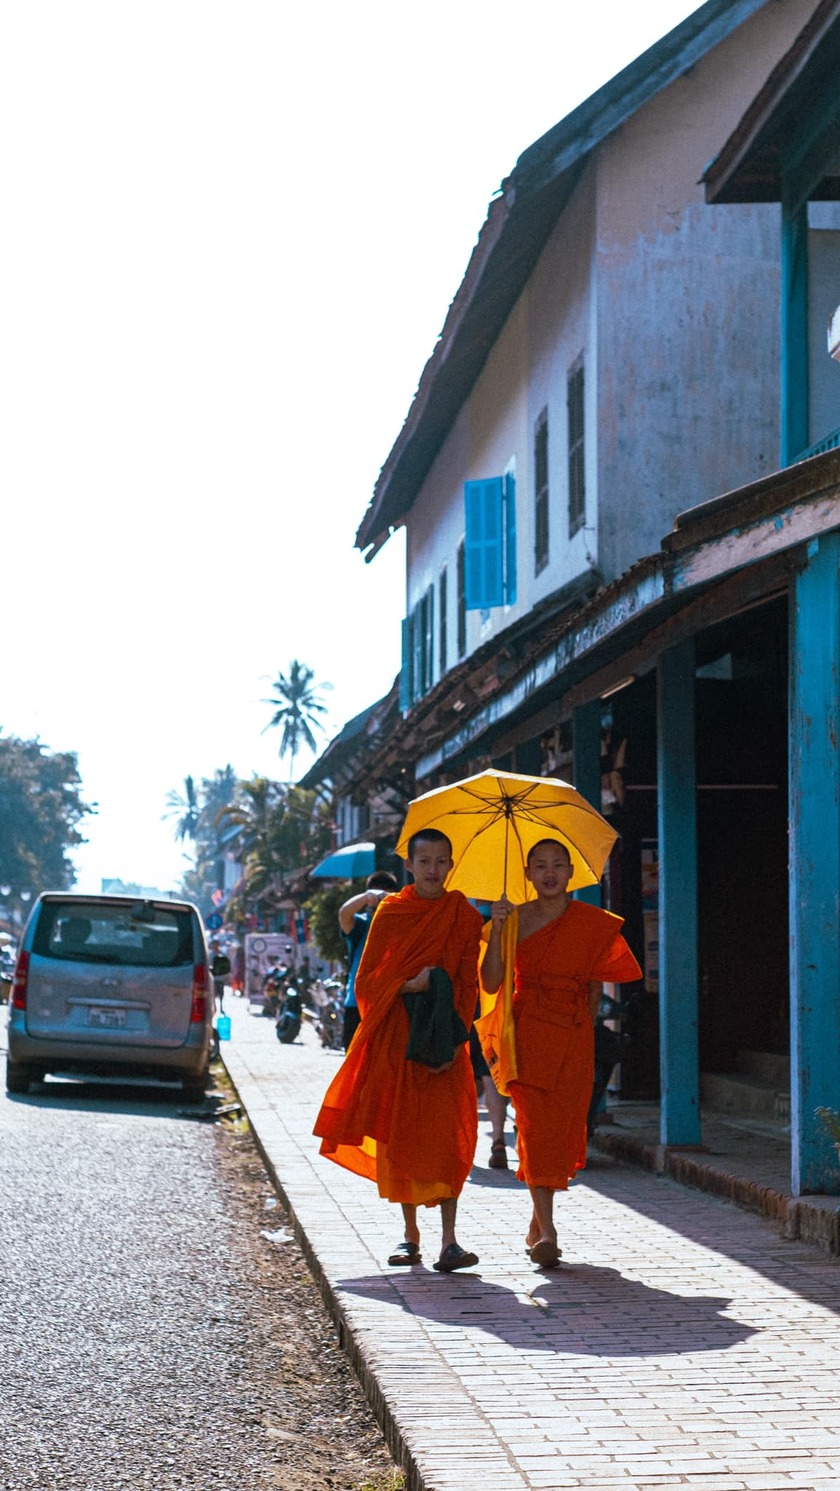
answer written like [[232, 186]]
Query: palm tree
[[296, 704], [186, 809]]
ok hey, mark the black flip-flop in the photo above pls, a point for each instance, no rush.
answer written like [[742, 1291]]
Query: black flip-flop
[[454, 1257], [405, 1253]]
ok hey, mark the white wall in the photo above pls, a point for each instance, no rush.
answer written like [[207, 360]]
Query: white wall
[[562, 316], [688, 302], [668, 300]]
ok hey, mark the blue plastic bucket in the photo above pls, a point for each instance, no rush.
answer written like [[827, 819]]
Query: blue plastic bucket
[[223, 1027]]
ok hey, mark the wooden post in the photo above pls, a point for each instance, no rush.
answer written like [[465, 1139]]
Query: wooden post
[[678, 979], [794, 413], [586, 744], [814, 804]]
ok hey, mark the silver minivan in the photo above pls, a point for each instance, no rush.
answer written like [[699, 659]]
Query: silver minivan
[[108, 985]]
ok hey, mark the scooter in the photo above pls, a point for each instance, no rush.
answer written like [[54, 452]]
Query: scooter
[[330, 1025], [610, 1046], [289, 1018]]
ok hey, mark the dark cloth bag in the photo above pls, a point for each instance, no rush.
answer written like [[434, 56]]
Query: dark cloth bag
[[435, 1030]]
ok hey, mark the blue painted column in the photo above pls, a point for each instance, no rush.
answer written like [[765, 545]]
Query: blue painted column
[[814, 806], [795, 425], [678, 978], [586, 744]]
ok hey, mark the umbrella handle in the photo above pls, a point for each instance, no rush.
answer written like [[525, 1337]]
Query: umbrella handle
[[507, 833]]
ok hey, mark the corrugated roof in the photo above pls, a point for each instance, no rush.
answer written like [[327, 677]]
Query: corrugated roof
[[519, 222]]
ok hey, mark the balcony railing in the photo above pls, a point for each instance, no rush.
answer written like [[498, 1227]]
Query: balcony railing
[[828, 442]]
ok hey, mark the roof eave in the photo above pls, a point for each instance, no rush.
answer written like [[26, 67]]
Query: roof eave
[[519, 222], [748, 168]]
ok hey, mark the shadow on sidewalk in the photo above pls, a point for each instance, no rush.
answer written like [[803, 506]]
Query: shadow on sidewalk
[[744, 1237], [582, 1310]]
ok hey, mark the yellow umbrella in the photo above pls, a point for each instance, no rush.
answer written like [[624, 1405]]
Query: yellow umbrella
[[494, 818]]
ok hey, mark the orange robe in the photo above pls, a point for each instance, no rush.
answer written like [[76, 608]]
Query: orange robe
[[392, 1120], [554, 1035]]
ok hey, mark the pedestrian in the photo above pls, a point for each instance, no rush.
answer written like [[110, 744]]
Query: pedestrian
[[354, 919], [411, 1127], [553, 954], [494, 1102]]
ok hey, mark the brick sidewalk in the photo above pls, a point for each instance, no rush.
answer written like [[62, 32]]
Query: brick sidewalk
[[682, 1343]]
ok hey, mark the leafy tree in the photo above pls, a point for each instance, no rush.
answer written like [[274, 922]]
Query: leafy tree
[[297, 703], [196, 811], [184, 807], [322, 911], [40, 808], [274, 831], [278, 830]]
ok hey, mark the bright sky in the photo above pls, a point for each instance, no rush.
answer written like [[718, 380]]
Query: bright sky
[[231, 233]]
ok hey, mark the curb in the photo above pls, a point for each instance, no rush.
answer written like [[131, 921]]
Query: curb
[[811, 1220]]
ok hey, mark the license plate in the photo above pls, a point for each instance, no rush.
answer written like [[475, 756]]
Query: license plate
[[109, 1019]]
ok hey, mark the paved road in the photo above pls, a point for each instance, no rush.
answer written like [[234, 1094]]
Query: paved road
[[146, 1335], [682, 1343]]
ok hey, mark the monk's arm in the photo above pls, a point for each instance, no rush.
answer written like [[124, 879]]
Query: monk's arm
[[595, 993], [493, 966]]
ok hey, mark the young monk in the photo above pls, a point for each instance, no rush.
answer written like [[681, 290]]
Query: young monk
[[410, 1128], [562, 950]]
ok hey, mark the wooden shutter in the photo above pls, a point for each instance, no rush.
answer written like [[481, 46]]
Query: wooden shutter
[[461, 599], [405, 667], [443, 608], [484, 579], [577, 484], [417, 652], [428, 639], [510, 539]]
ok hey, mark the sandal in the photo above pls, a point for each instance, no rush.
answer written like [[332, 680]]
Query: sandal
[[454, 1257], [405, 1253], [545, 1253], [498, 1155]]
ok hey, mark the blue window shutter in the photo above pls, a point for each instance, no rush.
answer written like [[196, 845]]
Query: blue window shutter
[[483, 502], [428, 639], [417, 653], [510, 538], [405, 667]]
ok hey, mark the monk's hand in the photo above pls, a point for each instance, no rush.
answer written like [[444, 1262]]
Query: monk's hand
[[436, 1070], [499, 912], [419, 984]]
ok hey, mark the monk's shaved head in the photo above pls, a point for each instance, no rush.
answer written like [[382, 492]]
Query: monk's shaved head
[[428, 836], [548, 844]]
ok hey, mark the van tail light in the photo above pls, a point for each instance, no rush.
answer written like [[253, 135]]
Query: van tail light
[[198, 1009], [19, 981]]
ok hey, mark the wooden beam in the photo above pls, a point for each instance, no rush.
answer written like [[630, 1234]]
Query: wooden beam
[[814, 768], [677, 826]]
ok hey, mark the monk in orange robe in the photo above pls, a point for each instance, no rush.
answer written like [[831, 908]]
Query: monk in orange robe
[[564, 950], [410, 1128]]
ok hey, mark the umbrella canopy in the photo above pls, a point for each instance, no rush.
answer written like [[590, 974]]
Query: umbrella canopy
[[347, 863], [493, 819]]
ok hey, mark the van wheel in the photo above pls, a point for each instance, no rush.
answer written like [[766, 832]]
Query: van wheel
[[195, 1089], [18, 1077]]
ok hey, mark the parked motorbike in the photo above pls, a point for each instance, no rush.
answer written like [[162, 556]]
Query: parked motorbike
[[7, 973], [289, 1018], [330, 1022], [610, 1046], [273, 995]]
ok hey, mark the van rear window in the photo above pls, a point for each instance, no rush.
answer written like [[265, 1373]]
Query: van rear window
[[90, 932]]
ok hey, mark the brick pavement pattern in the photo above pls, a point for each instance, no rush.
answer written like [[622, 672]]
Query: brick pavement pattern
[[682, 1342]]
